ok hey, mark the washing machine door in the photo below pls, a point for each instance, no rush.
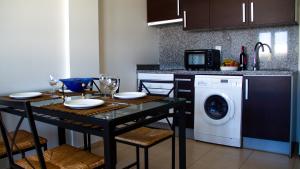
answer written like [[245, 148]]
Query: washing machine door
[[218, 109]]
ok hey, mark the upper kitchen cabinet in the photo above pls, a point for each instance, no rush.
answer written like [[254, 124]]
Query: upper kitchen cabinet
[[228, 13], [251, 13], [163, 12], [195, 14], [271, 12]]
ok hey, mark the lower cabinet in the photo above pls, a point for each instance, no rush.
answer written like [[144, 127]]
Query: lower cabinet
[[267, 107], [184, 88]]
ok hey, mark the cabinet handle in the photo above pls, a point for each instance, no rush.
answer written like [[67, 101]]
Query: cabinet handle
[[188, 102], [244, 12], [188, 113], [246, 89], [183, 80], [184, 19], [178, 7], [184, 91], [252, 11]]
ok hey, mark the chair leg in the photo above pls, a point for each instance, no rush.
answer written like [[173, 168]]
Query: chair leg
[[23, 154], [146, 158], [173, 151], [45, 147], [85, 141], [137, 152], [89, 143]]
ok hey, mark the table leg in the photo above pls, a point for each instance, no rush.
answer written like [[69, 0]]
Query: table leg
[[182, 138], [109, 147], [61, 136]]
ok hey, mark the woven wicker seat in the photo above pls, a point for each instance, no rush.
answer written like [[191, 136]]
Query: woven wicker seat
[[144, 136], [65, 157], [24, 141]]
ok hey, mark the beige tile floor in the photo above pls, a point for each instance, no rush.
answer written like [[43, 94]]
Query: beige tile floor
[[205, 156]]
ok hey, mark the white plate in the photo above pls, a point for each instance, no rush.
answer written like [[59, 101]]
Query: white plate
[[65, 91], [229, 68], [130, 95], [25, 95], [83, 103]]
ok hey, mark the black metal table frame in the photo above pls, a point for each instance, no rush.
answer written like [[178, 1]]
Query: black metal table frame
[[111, 128]]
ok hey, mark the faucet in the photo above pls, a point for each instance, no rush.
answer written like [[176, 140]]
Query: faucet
[[259, 45]]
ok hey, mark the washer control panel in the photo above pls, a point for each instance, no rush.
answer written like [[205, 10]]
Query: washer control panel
[[215, 81]]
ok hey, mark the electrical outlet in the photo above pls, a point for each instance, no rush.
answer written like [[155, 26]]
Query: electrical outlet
[[218, 48]]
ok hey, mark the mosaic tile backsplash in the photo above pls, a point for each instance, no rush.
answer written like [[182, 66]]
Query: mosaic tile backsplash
[[283, 41]]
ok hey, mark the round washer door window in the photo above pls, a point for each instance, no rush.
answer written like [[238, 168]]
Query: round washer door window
[[216, 107]]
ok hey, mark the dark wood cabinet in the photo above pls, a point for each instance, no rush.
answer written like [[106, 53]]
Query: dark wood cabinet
[[184, 88], [267, 107], [271, 12], [195, 14], [216, 14], [163, 10], [251, 13], [229, 13]]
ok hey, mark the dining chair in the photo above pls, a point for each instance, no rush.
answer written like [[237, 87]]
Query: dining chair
[[61, 157], [146, 137], [24, 143]]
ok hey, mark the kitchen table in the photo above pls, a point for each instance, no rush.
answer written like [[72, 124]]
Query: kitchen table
[[113, 122]]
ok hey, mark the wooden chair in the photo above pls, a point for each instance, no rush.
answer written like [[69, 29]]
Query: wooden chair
[[61, 157], [24, 142], [146, 137]]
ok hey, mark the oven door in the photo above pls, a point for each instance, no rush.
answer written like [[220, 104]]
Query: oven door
[[195, 60]]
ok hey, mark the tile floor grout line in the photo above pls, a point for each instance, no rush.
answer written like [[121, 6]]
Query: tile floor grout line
[[204, 154], [243, 163]]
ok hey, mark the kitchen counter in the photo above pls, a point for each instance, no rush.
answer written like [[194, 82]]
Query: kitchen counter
[[242, 73]]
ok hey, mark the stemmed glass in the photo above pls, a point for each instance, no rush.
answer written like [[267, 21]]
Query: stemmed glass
[[53, 83], [103, 82], [112, 85]]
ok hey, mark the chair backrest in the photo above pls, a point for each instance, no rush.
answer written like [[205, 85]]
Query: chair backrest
[[157, 86], [25, 110], [144, 84]]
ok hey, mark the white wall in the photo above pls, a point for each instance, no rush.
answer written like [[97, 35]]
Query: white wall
[[38, 38], [31, 44], [126, 40], [84, 38]]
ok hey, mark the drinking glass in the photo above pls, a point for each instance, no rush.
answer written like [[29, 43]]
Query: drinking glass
[[112, 85], [103, 84], [53, 83]]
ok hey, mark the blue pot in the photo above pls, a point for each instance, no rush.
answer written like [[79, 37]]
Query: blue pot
[[75, 84]]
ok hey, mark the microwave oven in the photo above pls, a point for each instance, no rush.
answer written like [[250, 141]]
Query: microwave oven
[[202, 59]]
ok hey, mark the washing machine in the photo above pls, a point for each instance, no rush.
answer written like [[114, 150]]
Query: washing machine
[[218, 109]]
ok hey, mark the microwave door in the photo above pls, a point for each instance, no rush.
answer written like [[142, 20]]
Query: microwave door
[[197, 60]]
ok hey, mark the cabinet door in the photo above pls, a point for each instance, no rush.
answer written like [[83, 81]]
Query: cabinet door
[[160, 10], [271, 12], [267, 107], [228, 14], [195, 14]]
